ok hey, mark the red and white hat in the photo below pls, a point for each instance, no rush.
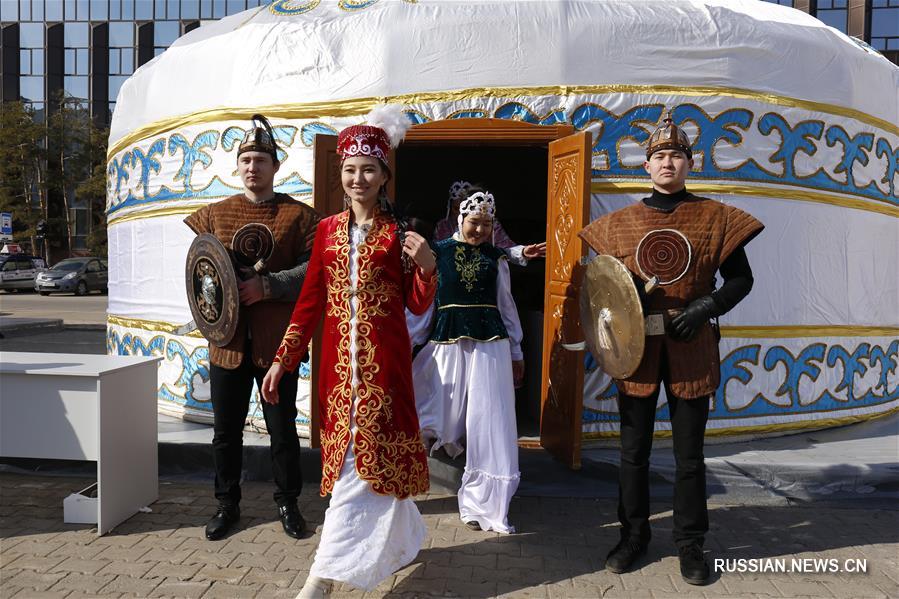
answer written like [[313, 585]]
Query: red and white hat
[[384, 129]]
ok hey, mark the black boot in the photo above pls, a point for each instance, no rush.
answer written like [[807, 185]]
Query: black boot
[[622, 557], [226, 516], [693, 567], [291, 519]]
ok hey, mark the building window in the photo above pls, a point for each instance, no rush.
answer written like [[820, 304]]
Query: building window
[[121, 35], [37, 10], [9, 10], [76, 86], [31, 35], [885, 24], [76, 35], [99, 10], [115, 84], [833, 13], [32, 89], [143, 10], [781, 2], [190, 9], [54, 10], [121, 61], [31, 61]]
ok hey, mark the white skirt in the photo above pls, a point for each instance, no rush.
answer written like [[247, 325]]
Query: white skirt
[[464, 390], [366, 537]]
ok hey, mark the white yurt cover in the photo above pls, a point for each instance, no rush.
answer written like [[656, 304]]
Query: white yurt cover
[[793, 122]]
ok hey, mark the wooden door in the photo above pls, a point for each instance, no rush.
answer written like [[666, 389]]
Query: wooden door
[[327, 199], [327, 192], [567, 212]]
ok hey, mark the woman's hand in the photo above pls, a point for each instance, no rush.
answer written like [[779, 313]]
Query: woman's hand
[[517, 372], [270, 383], [535, 250], [420, 252]]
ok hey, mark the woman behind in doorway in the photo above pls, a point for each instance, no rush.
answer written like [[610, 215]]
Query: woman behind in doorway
[[446, 227], [364, 269], [465, 377]]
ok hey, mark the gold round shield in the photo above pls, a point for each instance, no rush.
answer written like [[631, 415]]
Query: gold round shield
[[612, 317]]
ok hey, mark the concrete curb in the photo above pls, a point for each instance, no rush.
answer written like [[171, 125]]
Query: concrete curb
[[87, 326], [17, 327]]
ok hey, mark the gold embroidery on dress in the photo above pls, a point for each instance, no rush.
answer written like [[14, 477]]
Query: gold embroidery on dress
[[339, 401], [289, 352], [385, 460], [468, 269]]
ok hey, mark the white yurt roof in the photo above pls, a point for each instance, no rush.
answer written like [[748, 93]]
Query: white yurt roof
[[264, 57]]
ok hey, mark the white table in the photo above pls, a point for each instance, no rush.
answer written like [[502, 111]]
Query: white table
[[86, 407]]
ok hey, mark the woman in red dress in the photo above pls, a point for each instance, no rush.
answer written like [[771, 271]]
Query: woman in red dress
[[363, 272]]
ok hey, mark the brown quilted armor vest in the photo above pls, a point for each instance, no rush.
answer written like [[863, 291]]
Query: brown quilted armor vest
[[293, 225], [713, 230]]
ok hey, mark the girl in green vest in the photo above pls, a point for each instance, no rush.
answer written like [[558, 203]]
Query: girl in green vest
[[465, 377]]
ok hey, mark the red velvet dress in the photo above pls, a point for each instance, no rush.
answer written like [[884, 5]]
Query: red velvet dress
[[389, 453]]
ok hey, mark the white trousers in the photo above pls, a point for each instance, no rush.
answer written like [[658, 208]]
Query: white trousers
[[465, 389], [366, 537]]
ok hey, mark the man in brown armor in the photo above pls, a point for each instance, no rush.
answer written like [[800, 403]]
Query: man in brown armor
[[267, 295], [682, 240]]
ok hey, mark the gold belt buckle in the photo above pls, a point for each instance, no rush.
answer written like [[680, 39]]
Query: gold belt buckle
[[655, 324]]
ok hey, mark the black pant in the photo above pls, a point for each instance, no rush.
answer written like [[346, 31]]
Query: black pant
[[230, 391], [688, 420]]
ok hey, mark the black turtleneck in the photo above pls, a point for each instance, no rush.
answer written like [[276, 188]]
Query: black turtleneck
[[665, 201], [735, 270]]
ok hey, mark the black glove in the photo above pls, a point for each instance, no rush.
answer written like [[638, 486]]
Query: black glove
[[685, 325], [640, 284]]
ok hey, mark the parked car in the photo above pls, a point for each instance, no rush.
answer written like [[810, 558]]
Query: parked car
[[80, 275], [17, 271]]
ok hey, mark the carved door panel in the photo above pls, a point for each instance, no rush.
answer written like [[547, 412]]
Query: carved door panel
[[327, 192], [567, 212]]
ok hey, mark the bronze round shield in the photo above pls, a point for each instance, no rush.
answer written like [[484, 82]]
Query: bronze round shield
[[612, 317], [212, 289]]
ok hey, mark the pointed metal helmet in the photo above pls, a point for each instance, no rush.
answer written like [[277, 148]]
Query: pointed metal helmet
[[260, 138], [669, 137]]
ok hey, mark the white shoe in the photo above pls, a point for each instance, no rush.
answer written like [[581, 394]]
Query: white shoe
[[316, 588]]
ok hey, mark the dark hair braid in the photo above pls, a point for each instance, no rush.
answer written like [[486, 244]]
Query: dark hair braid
[[402, 226]]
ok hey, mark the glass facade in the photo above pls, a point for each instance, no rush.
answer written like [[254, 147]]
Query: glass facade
[[834, 13], [88, 48], [885, 24]]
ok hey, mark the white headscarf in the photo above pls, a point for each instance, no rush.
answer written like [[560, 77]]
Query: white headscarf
[[480, 202]]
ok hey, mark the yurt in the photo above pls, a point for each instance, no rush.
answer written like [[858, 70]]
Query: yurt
[[548, 103]]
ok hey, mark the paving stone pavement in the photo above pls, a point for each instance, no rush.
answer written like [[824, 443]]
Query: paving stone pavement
[[558, 553]]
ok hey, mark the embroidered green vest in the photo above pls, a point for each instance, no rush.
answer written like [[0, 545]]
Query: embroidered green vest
[[466, 292]]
